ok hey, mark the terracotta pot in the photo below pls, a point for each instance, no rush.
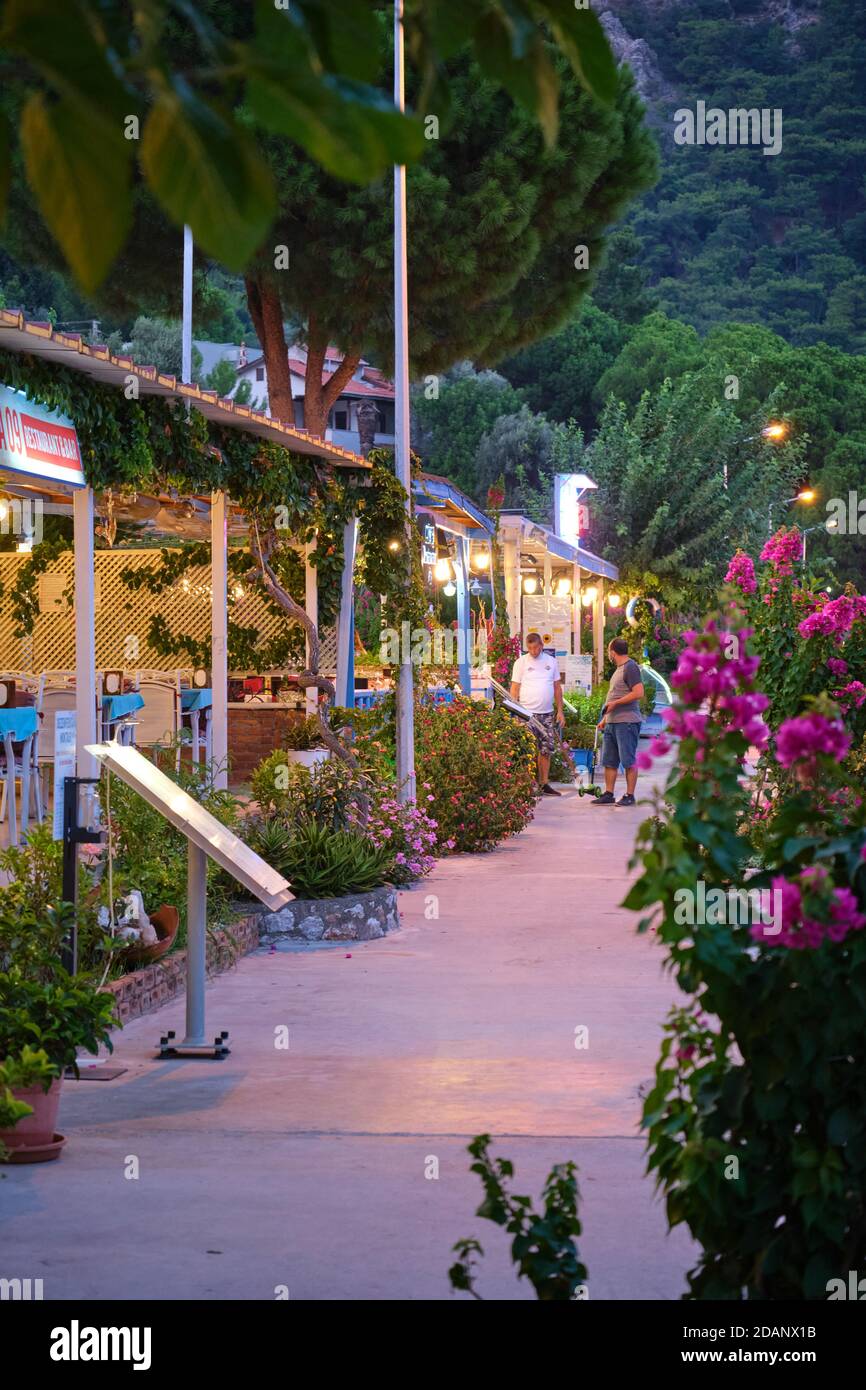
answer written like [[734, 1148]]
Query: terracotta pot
[[39, 1128], [165, 920]]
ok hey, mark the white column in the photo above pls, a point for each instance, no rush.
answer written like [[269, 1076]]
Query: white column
[[311, 606], [575, 595], [345, 625], [511, 566], [464, 630], [598, 628], [85, 636], [219, 638]]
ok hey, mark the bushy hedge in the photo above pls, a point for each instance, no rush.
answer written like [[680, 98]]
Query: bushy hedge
[[478, 765]]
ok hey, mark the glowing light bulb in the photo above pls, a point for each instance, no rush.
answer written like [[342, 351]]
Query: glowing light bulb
[[450, 589], [614, 601], [530, 584]]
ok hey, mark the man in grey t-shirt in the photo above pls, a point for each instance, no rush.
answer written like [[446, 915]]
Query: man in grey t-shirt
[[621, 721]]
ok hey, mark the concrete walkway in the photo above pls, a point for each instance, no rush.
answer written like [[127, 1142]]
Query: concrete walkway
[[306, 1168]]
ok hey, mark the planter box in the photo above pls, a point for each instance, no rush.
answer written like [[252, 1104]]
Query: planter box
[[142, 991], [355, 917]]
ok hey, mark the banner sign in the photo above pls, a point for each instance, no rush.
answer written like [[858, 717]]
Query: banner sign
[[64, 762], [38, 441]]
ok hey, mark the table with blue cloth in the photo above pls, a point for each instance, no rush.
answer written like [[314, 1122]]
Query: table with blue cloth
[[18, 724], [192, 703], [118, 707]]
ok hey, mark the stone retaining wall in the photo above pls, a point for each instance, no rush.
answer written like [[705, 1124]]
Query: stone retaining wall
[[355, 917], [142, 991]]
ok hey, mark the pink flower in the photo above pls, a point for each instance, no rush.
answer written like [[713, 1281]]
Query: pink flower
[[783, 548], [835, 617], [851, 696], [837, 666], [741, 571], [801, 740]]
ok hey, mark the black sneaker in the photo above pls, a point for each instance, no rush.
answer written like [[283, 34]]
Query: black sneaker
[[548, 790], [606, 799], [627, 800]]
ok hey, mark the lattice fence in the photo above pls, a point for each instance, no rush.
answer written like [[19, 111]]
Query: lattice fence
[[122, 615]]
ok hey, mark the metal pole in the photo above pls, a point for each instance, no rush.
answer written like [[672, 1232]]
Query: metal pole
[[464, 626], [196, 933], [186, 332], [311, 604], [405, 694], [85, 636], [219, 640], [345, 623]]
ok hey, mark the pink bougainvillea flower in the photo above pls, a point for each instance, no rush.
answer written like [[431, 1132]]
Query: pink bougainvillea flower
[[741, 571], [803, 739]]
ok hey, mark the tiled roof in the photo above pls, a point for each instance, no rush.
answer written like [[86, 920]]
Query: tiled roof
[[18, 334]]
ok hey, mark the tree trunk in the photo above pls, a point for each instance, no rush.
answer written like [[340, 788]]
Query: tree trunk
[[319, 398], [266, 312]]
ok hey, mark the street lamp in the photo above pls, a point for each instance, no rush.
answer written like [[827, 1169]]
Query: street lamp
[[830, 525], [806, 494]]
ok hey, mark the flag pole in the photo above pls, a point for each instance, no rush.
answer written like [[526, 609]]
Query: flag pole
[[405, 696]]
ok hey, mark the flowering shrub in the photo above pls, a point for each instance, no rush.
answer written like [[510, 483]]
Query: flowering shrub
[[756, 1123], [741, 571], [807, 641], [479, 764], [406, 833], [502, 652]]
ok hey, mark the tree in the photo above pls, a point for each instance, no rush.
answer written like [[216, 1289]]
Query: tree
[[659, 347], [558, 376], [525, 451], [222, 377], [496, 226], [164, 93], [157, 343], [682, 480], [448, 427]]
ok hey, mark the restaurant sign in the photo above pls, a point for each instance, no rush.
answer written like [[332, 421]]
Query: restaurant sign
[[38, 441]]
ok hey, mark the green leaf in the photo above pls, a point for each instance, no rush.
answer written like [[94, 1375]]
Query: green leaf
[[582, 39], [353, 131], [346, 35], [80, 175], [206, 171], [64, 45]]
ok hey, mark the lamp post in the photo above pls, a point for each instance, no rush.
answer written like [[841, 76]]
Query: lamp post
[[806, 494], [405, 694], [831, 525]]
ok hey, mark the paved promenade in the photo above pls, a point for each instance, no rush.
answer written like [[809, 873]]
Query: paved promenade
[[306, 1167]]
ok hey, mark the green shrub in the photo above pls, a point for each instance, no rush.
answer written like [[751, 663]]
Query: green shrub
[[478, 765], [320, 862], [29, 934], [304, 735], [323, 793], [58, 1017]]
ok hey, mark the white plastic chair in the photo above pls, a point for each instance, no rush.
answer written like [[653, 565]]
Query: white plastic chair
[[159, 721]]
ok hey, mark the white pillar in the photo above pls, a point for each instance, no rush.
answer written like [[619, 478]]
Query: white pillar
[[219, 638], [311, 606], [575, 595], [405, 684], [464, 629], [85, 635], [345, 625], [511, 566], [598, 629]]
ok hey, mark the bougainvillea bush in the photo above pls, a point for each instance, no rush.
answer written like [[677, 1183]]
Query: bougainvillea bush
[[478, 765], [808, 641], [756, 1123], [404, 832]]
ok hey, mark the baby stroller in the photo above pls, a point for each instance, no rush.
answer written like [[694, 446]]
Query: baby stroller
[[588, 758]]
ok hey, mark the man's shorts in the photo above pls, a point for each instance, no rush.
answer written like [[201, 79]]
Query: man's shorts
[[619, 747], [545, 729]]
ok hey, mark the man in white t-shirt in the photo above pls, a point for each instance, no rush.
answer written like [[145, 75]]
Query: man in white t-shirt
[[536, 684]]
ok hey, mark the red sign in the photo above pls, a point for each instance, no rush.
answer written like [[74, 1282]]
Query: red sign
[[38, 441]]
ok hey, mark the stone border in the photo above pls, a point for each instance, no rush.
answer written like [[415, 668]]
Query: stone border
[[355, 917], [142, 991]]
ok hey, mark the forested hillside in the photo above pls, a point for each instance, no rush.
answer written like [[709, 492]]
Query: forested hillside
[[728, 232]]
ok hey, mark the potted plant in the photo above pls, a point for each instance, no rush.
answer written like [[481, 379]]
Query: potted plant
[[45, 1010], [304, 743], [29, 1100]]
